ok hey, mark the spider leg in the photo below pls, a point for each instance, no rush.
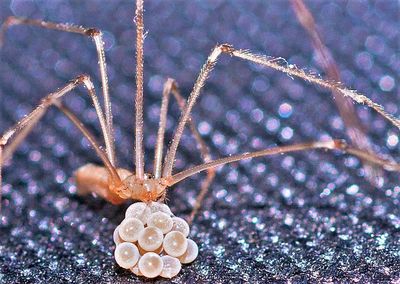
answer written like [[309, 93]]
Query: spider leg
[[328, 145], [158, 152], [97, 179], [97, 37], [205, 154], [171, 87], [25, 130], [139, 150], [26, 124], [354, 127], [274, 63]]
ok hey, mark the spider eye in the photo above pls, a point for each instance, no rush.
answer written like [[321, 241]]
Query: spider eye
[[148, 176]]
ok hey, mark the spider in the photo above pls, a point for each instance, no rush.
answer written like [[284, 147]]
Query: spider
[[118, 185]]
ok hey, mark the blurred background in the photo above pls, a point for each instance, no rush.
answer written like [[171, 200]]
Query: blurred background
[[300, 217]]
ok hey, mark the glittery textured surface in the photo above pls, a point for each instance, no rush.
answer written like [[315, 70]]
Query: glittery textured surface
[[301, 217]]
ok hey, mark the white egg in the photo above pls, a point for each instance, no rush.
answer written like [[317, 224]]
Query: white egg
[[130, 229], [117, 239], [150, 265], [180, 225], [191, 252], [138, 210], [172, 266], [175, 243], [150, 238], [160, 220], [158, 206], [126, 255]]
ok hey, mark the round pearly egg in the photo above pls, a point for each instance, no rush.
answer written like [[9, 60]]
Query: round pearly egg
[[126, 255], [150, 265], [180, 225], [191, 252], [130, 229], [171, 267], [150, 238], [175, 243], [160, 207], [117, 239], [161, 221], [138, 210]]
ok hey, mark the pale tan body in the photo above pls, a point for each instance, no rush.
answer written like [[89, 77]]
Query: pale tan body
[[95, 179], [117, 185]]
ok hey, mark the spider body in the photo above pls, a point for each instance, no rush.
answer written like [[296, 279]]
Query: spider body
[[93, 178]]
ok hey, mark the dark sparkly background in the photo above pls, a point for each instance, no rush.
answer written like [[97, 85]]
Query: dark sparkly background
[[301, 217]]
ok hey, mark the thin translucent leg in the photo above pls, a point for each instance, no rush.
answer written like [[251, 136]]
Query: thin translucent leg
[[97, 37], [23, 132], [345, 106], [92, 140], [139, 150], [205, 186], [204, 73], [26, 124], [18, 139], [274, 63], [205, 154], [171, 86], [328, 145], [158, 152]]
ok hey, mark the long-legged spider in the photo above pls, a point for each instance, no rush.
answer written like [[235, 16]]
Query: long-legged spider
[[115, 188]]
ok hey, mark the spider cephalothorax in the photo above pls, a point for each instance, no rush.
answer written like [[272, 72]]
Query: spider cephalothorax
[[95, 179], [146, 190]]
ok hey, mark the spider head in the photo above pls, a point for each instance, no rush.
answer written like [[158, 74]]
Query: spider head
[[146, 190]]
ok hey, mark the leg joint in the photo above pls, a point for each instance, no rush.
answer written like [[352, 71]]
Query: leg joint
[[86, 80], [11, 20], [93, 32], [81, 79], [174, 84], [340, 144], [47, 101], [227, 48]]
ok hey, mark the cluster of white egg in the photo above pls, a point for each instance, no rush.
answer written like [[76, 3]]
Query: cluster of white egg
[[151, 242]]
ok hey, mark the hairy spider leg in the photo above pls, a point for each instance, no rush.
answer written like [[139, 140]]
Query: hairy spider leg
[[96, 35], [328, 145], [354, 127], [265, 61], [171, 87], [53, 99], [139, 150], [275, 64]]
